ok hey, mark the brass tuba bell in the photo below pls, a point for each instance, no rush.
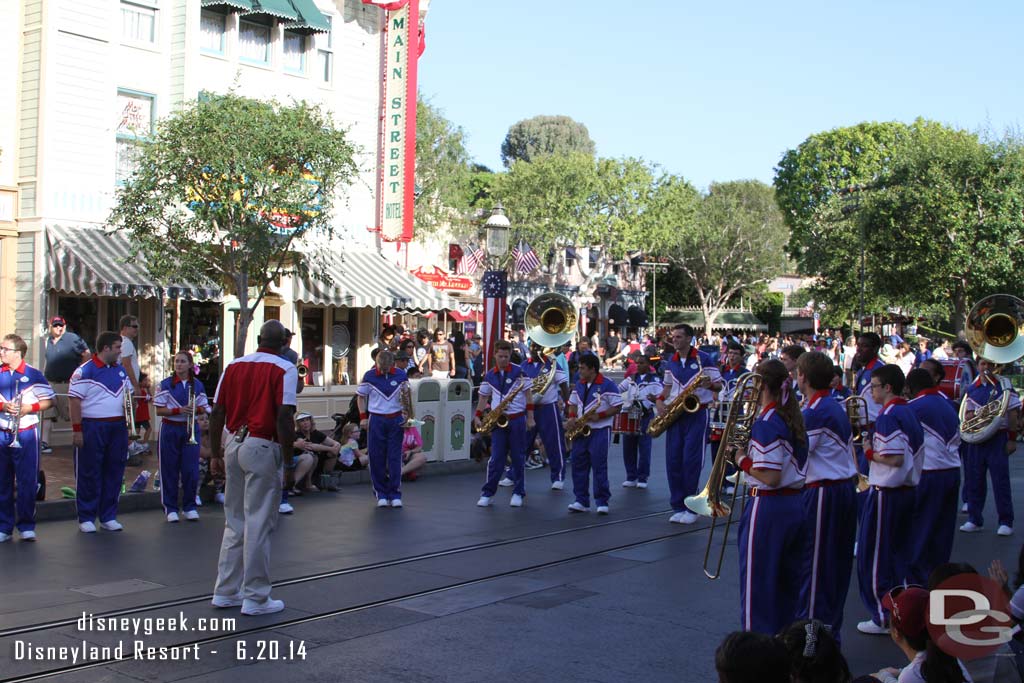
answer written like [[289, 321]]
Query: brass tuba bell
[[550, 322], [995, 328]]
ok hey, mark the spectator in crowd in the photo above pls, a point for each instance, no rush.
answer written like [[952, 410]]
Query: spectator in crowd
[[441, 361], [323, 448], [751, 657], [65, 351], [211, 470], [839, 392], [351, 457], [129, 353], [422, 352], [814, 655], [142, 421], [942, 351], [412, 453], [613, 347], [923, 353], [909, 630]]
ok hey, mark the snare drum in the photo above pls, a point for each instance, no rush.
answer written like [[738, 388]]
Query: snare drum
[[959, 373], [626, 423]]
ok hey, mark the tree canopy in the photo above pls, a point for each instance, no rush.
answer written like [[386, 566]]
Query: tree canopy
[[545, 135], [229, 188], [443, 170]]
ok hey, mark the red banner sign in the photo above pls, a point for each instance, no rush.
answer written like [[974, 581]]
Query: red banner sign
[[440, 279]]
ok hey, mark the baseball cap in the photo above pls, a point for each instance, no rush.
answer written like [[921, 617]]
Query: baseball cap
[[57, 320], [288, 333], [302, 416], [909, 609]]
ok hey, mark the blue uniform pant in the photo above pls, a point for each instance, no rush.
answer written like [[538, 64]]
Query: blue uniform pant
[[591, 453], [884, 550], [384, 446], [831, 512], [989, 456], [636, 452], [178, 460], [19, 466], [685, 443], [773, 548], [936, 503], [508, 442], [552, 435], [99, 469]]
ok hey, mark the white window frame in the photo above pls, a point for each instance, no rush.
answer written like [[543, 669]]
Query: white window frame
[[288, 68], [325, 54], [205, 14], [142, 7], [130, 140], [242, 23]]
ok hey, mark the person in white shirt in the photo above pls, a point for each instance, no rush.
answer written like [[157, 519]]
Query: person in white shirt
[[129, 354], [909, 630]]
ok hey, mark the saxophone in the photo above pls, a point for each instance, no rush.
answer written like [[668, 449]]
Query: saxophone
[[582, 427], [685, 402], [497, 417]]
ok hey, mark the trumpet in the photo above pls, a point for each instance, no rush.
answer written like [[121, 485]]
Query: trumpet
[[857, 413], [191, 419], [743, 410], [16, 419], [129, 412]]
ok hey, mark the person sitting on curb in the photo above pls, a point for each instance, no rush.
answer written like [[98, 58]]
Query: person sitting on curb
[[317, 444], [412, 453]]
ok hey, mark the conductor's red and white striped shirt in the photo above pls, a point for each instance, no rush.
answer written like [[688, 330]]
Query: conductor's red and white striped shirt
[[251, 390]]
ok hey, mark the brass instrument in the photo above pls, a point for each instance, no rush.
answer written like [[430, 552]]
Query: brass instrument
[[857, 412], [743, 410], [16, 419], [408, 412], [497, 416], [129, 412], [190, 419], [685, 402], [995, 331], [582, 427], [302, 371], [550, 321]]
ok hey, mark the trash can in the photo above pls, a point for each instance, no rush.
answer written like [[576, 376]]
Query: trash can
[[426, 394], [457, 411]]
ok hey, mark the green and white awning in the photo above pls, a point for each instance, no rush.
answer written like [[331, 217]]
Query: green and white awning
[[92, 262], [365, 278]]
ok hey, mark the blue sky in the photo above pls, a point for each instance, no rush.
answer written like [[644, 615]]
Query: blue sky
[[719, 91]]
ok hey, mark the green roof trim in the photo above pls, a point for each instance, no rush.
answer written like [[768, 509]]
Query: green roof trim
[[280, 9], [743, 320], [229, 5], [311, 19]]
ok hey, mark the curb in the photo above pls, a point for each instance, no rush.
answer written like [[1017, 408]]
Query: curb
[[55, 510]]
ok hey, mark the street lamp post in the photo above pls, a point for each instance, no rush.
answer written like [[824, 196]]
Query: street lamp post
[[494, 286], [655, 268]]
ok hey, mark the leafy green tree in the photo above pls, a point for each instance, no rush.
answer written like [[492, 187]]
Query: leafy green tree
[[729, 241], [443, 172], [946, 221], [544, 135], [228, 189], [818, 187]]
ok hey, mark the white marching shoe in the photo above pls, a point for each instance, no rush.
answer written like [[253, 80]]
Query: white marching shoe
[[969, 527], [485, 501]]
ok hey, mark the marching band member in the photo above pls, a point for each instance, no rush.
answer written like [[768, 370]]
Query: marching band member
[[643, 388], [24, 394], [829, 497], [773, 538], [731, 372], [379, 398], [686, 438], [990, 455], [937, 494], [510, 441], [734, 366], [836, 388], [99, 433], [178, 458], [896, 454], [547, 415], [594, 400]]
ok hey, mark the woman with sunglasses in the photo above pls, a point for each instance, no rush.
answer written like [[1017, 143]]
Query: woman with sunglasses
[[885, 537], [179, 459], [909, 630], [773, 539]]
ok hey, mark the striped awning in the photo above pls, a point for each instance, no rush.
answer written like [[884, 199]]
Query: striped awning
[[365, 278], [92, 262]]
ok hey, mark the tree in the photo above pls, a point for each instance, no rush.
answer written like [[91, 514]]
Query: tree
[[726, 242], [946, 220], [817, 187], [545, 135], [228, 188], [442, 170]]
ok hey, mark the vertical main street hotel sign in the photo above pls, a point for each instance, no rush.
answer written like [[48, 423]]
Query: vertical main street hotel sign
[[402, 47]]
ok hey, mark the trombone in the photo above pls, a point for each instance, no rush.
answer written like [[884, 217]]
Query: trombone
[[743, 410], [857, 412], [129, 412]]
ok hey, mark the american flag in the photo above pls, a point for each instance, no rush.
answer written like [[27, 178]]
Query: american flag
[[525, 258], [494, 287], [470, 261]]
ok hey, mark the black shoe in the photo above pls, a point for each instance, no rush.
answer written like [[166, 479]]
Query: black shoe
[[44, 448]]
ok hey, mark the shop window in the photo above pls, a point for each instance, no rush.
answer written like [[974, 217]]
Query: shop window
[[212, 32], [343, 331], [313, 345], [135, 115], [116, 308], [201, 335], [271, 313], [294, 53], [81, 316], [253, 42]]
